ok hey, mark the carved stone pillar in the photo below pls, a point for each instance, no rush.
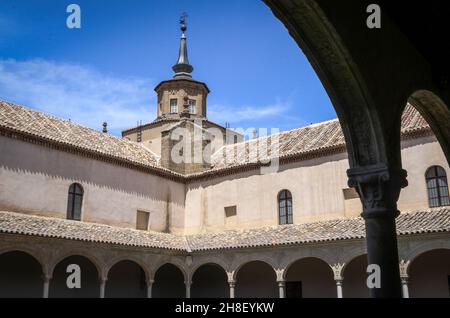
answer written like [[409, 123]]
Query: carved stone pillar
[[338, 278], [404, 265], [379, 188]]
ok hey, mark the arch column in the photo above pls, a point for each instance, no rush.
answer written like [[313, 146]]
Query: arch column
[[188, 288], [231, 283], [46, 286], [338, 278], [281, 283], [103, 281], [379, 189], [404, 277], [149, 287]]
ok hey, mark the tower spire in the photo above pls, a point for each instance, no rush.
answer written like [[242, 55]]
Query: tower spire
[[183, 68]]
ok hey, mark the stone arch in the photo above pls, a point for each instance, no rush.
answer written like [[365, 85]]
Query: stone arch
[[32, 252], [425, 247], [324, 255], [424, 283], [309, 277], [354, 277], [353, 254], [169, 281], [209, 280], [242, 260], [142, 264], [256, 278], [209, 260], [21, 275], [174, 262], [89, 278], [332, 61], [98, 263], [127, 278], [436, 113]]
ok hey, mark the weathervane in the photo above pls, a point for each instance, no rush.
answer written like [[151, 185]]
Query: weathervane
[[183, 22]]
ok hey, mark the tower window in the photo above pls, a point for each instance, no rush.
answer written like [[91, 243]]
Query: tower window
[[191, 106], [174, 106], [74, 202], [437, 187], [285, 207]]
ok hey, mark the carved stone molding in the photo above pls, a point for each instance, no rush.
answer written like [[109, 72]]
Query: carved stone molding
[[338, 271], [378, 187], [280, 275], [404, 267], [231, 278]]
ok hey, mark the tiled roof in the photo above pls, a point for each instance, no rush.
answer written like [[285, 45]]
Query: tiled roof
[[314, 138], [430, 221], [436, 220], [311, 139], [17, 223], [34, 123]]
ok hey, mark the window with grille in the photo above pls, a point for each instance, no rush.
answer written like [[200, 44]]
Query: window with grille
[[75, 202], [285, 207], [174, 106], [437, 187], [191, 106]]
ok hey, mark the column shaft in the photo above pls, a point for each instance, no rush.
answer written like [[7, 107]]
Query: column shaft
[[282, 289], [232, 288], [102, 288], [46, 287], [379, 189]]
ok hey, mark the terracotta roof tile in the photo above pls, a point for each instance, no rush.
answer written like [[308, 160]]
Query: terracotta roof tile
[[303, 140], [429, 221], [322, 136], [17, 223], [24, 120]]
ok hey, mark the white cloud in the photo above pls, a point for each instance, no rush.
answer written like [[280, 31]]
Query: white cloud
[[250, 114], [78, 92]]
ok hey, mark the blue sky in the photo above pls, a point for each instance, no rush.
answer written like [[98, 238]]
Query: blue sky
[[106, 71]]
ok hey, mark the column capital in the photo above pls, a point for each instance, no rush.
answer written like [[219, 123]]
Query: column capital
[[150, 282], [232, 283], [280, 274], [47, 277], [188, 282], [337, 271], [379, 188], [230, 276], [404, 267]]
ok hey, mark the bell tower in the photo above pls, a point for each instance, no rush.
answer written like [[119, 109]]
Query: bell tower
[[182, 96], [182, 104]]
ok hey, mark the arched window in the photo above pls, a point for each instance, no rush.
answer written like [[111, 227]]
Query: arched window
[[437, 187], [285, 207], [74, 202]]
